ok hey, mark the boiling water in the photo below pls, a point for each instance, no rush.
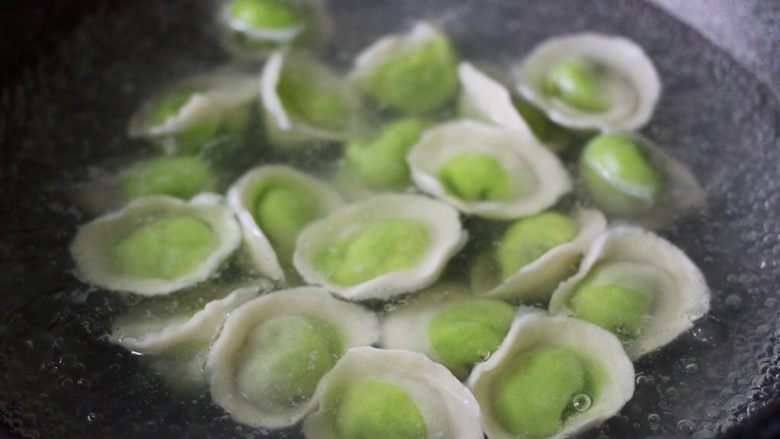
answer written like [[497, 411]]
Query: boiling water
[[59, 377]]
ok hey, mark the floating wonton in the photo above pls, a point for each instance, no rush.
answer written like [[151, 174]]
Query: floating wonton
[[273, 204], [381, 247], [449, 326], [535, 254], [487, 171], [551, 378], [156, 244], [637, 285], [369, 387], [273, 351], [591, 81]]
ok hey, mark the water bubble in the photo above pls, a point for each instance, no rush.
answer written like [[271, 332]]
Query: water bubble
[[686, 426], [713, 412], [67, 360], [84, 383], [581, 402], [66, 384], [735, 402], [643, 379], [752, 408], [709, 331], [733, 301], [653, 421]]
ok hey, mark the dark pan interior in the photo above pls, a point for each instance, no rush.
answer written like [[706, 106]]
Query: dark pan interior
[[58, 378]]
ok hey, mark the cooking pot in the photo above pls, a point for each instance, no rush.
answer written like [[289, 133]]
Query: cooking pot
[[64, 109]]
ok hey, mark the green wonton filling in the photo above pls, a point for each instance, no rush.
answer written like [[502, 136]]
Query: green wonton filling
[[534, 396], [191, 138], [380, 161], [283, 360], [181, 177], [619, 174], [165, 248], [371, 409], [553, 135], [309, 100], [578, 84], [527, 239], [376, 248], [170, 105], [535, 118], [419, 81], [282, 209], [468, 333], [476, 177], [617, 307], [273, 14]]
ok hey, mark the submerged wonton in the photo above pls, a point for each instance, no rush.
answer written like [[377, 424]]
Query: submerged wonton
[[379, 160], [198, 115], [178, 176], [175, 332], [390, 393], [629, 177], [272, 352], [156, 244]]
